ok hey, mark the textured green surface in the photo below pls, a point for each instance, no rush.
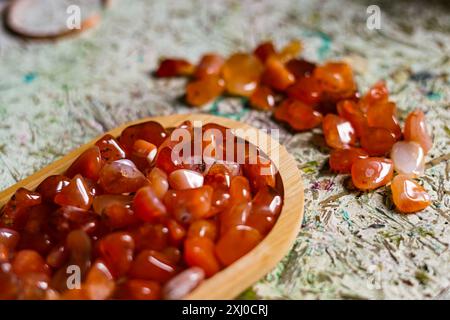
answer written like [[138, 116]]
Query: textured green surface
[[56, 96]]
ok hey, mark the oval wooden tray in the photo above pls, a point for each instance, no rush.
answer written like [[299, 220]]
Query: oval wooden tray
[[237, 277]]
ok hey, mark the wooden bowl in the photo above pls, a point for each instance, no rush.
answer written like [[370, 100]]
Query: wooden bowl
[[234, 279]]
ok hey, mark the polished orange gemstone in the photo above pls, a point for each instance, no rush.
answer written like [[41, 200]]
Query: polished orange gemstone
[[147, 206], [307, 90], [88, 164], [110, 149], [76, 194], [136, 289], [29, 261], [300, 68], [264, 50], [190, 204], [371, 173], [144, 149], [199, 252], [51, 186], [262, 99], [382, 115], [341, 160], [204, 90], [266, 206], [241, 73], [234, 216], [236, 242], [177, 232], [298, 115], [116, 250], [150, 236], [416, 130], [260, 172], [174, 68], [99, 283], [377, 141], [409, 196], [121, 176], [240, 190], [150, 131], [378, 93], [276, 75], [350, 110], [152, 265], [210, 64], [15, 212], [339, 133], [290, 51], [203, 228], [335, 77]]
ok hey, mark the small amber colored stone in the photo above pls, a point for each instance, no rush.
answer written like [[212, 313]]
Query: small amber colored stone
[[186, 205], [240, 190], [335, 78], [76, 194], [236, 242], [88, 164], [378, 93], [9, 238], [144, 149], [79, 245], [174, 68], [150, 131], [102, 202], [57, 257], [290, 51], [152, 265], [382, 115], [377, 141], [203, 228], [260, 172], [119, 216], [234, 216], [300, 68], [339, 133], [147, 206], [262, 99], [298, 115], [183, 179], [29, 261], [51, 186], [116, 250], [136, 289], [173, 254], [242, 73], [110, 149], [408, 196], [199, 252], [416, 130], [158, 181], [204, 90], [99, 283], [276, 75], [341, 160], [350, 110], [266, 207], [210, 64], [264, 50], [121, 176], [371, 173], [177, 232], [183, 283], [307, 90], [150, 237], [15, 212]]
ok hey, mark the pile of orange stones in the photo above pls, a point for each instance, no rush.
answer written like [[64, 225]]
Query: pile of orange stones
[[127, 220], [361, 130]]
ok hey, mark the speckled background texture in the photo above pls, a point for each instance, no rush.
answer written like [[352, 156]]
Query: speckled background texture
[[56, 96]]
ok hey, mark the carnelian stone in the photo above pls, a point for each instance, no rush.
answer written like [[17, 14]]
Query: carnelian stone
[[57, 257], [158, 181], [121, 176], [377, 141], [204, 90], [408, 196], [99, 283], [234, 216], [79, 245], [276, 75], [236, 242], [298, 115], [174, 67], [147, 205], [307, 90], [203, 228], [152, 265], [341, 160], [350, 110], [199, 252], [241, 73], [262, 99], [15, 212], [183, 283], [300, 68], [176, 232], [136, 289], [290, 51], [75, 194], [265, 209], [110, 149], [51, 186], [88, 164], [210, 64], [219, 178], [382, 115], [416, 130], [29, 261], [371, 173], [339, 133], [264, 50], [9, 238], [240, 190], [144, 149], [336, 78], [116, 250], [150, 237], [378, 93], [173, 254], [187, 205], [9, 284], [150, 131], [260, 173]]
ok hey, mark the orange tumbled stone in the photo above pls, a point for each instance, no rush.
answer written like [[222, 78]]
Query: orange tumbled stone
[[121, 176], [335, 78], [300, 68], [203, 228], [408, 196], [242, 73], [378, 93], [371, 173], [377, 141], [290, 51], [350, 110], [199, 252], [236, 242], [174, 68], [264, 50], [262, 99], [147, 206], [88, 164], [110, 149], [190, 204], [152, 265], [416, 130], [307, 90], [210, 64], [204, 90], [382, 115], [76, 194], [136, 289], [276, 75], [298, 115], [341, 160], [339, 133]]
